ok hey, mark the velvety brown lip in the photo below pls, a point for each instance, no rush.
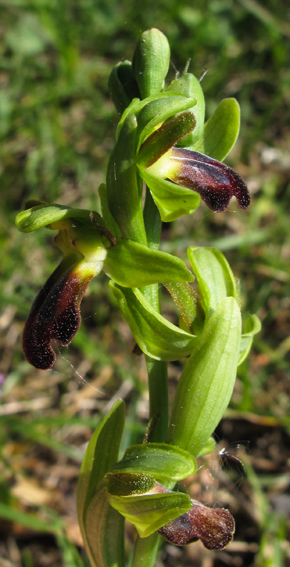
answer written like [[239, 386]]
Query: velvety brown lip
[[55, 314], [216, 182], [213, 526]]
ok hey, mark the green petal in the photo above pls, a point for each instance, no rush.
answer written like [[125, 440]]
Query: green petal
[[252, 327], [133, 265], [215, 277], [221, 130], [206, 383], [156, 112], [163, 462], [155, 336], [172, 200], [164, 138]]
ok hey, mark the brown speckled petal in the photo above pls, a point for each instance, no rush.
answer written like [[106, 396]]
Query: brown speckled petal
[[213, 526], [55, 314], [216, 182]]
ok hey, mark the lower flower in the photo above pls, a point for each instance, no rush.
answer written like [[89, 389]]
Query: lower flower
[[215, 527]]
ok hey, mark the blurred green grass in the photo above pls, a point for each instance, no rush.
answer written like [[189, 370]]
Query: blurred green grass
[[57, 128]]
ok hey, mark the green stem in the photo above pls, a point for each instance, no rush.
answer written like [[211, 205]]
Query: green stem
[[157, 369], [145, 551], [158, 399]]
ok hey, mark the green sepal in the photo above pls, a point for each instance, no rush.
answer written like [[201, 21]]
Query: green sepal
[[206, 383], [164, 138], [124, 192], [189, 85], [101, 455], [164, 462], [156, 337], [172, 200], [221, 130], [130, 264], [45, 215], [151, 62], [149, 512], [252, 327], [215, 277], [122, 85], [156, 112]]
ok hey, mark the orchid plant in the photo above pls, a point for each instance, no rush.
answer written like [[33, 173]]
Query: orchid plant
[[165, 149]]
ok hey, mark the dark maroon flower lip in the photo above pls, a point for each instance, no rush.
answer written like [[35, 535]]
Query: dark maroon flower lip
[[55, 314], [213, 526], [216, 182]]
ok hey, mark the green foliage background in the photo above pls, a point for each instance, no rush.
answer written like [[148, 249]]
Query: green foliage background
[[57, 128]]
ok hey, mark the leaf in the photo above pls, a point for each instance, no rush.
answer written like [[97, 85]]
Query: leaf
[[206, 383], [101, 455], [157, 337], [215, 278], [172, 200], [131, 264], [221, 130], [252, 327], [163, 462]]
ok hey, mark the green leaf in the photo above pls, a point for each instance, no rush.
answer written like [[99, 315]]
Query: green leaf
[[151, 61], [215, 278], [206, 383], [150, 512], [101, 455], [221, 130], [156, 336], [163, 462], [172, 200], [252, 327], [164, 138], [189, 85], [131, 264]]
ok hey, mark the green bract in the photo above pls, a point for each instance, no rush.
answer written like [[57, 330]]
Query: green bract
[[155, 336], [207, 381], [101, 526]]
